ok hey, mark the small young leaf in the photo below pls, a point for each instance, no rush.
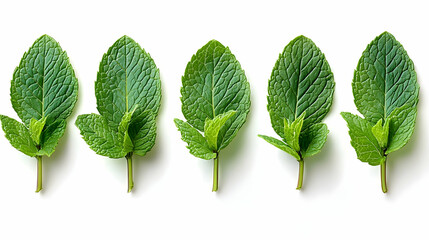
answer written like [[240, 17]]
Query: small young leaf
[[50, 137], [43, 93], [128, 92], [292, 132], [402, 121], [36, 127], [280, 145], [300, 93], [313, 139], [214, 86], [212, 127], [381, 132], [18, 136], [197, 144]]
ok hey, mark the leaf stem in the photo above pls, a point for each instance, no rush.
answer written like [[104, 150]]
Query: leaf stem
[[215, 172], [130, 171], [39, 173], [301, 174], [383, 175]]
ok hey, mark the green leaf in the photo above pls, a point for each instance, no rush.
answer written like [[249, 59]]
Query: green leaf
[[18, 136], [301, 81], [127, 77], [313, 139], [44, 83], [402, 121], [214, 83], [50, 137], [142, 131], [292, 132], [281, 145], [363, 141], [381, 132], [36, 127], [384, 79], [197, 144], [212, 127], [123, 134], [99, 136]]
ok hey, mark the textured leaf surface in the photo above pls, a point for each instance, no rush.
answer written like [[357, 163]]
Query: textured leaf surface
[[99, 136], [301, 81], [212, 128], [44, 83], [18, 136], [142, 131], [127, 77], [50, 137], [214, 83], [385, 79], [313, 139], [197, 144], [281, 145], [363, 141], [402, 121]]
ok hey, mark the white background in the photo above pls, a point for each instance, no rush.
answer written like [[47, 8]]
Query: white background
[[84, 195]]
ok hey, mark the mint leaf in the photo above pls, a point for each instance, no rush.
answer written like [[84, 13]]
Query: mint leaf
[[386, 92], [402, 121], [381, 132], [301, 81], [197, 144], [300, 92], [280, 145], [128, 92], [384, 79], [142, 131], [313, 139], [43, 93], [50, 137], [127, 76], [99, 136], [212, 128], [18, 136], [36, 127], [292, 132], [214, 84], [366, 145]]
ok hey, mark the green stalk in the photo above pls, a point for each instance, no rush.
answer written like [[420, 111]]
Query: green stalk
[[215, 173], [301, 174], [39, 173], [383, 175], [130, 171]]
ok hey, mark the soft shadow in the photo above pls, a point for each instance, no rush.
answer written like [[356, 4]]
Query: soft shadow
[[56, 164], [404, 167], [153, 162], [321, 172], [233, 155]]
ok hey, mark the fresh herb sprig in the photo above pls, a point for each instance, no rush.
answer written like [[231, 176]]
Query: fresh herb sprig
[[385, 91], [300, 93]]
